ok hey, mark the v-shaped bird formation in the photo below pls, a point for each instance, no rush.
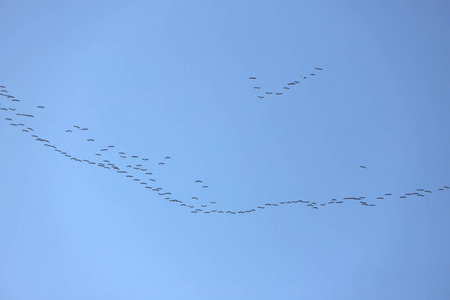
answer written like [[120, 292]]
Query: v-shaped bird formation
[[144, 170]]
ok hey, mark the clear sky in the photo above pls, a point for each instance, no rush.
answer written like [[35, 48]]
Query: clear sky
[[171, 78]]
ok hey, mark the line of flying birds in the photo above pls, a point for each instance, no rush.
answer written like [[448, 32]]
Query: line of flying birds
[[287, 87], [141, 174]]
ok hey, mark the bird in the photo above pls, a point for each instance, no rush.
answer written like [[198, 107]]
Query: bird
[[252, 78], [84, 128], [257, 87], [320, 69], [260, 97], [199, 181], [363, 167], [68, 130], [39, 106], [161, 163], [205, 186], [167, 157]]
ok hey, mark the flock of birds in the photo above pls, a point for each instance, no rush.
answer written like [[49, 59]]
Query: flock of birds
[[139, 170], [287, 87]]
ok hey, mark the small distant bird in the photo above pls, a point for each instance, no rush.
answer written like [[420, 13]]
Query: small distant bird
[[269, 93], [320, 69], [161, 163], [199, 181], [252, 78], [205, 186], [256, 87], [363, 167], [278, 94], [89, 140], [167, 157], [39, 106], [260, 97], [76, 126], [84, 128]]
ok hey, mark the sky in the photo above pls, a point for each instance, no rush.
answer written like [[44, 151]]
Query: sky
[[159, 79]]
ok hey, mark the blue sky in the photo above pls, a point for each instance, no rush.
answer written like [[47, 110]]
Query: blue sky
[[170, 78]]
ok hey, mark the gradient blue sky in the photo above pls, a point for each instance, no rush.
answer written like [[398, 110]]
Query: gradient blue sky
[[158, 78]]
